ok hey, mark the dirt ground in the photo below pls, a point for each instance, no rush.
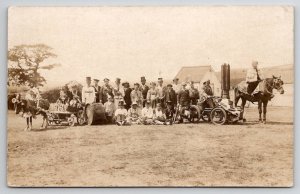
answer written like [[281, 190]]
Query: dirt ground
[[249, 154]]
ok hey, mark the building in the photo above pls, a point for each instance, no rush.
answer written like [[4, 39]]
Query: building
[[199, 74]]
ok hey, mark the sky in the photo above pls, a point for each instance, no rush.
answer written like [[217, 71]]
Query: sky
[[130, 42]]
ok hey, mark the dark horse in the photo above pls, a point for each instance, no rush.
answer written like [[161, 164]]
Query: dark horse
[[29, 109], [262, 97]]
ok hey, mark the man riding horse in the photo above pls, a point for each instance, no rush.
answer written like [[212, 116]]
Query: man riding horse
[[254, 79]]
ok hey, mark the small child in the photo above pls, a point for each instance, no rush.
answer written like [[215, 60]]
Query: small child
[[121, 114], [147, 114], [63, 101], [109, 109], [134, 114], [159, 116]]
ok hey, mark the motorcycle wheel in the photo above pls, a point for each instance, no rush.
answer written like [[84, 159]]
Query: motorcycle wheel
[[205, 117], [218, 116]]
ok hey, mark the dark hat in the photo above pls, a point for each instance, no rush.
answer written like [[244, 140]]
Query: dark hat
[[106, 79], [136, 84], [96, 80], [88, 78], [124, 83], [143, 78], [169, 85], [192, 82], [175, 79], [206, 81], [118, 79], [160, 79]]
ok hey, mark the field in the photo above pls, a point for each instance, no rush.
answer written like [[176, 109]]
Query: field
[[249, 154]]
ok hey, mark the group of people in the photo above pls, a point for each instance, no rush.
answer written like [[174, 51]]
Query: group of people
[[143, 104]]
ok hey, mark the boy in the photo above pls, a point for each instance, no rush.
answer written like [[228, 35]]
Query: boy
[[147, 114], [109, 109], [159, 116], [134, 114], [121, 114]]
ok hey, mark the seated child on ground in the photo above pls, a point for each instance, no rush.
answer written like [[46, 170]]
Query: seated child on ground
[[169, 113], [147, 114], [134, 114], [159, 116], [121, 114]]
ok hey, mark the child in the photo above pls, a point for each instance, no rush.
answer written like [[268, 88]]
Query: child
[[121, 114], [159, 117], [134, 114], [169, 113], [147, 114], [109, 109], [63, 101]]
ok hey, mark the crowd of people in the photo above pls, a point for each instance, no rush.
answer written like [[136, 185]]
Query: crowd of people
[[143, 104]]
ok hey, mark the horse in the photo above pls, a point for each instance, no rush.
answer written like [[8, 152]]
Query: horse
[[29, 109], [262, 97]]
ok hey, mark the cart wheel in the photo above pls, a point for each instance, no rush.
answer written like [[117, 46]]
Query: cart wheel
[[71, 121], [218, 116], [80, 118]]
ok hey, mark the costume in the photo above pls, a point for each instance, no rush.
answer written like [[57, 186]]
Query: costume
[[136, 96], [161, 95], [118, 93], [121, 114], [152, 95], [147, 115], [134, 115], [144, 89]]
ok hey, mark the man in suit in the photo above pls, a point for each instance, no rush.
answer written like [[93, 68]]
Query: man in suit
[[171, 97], [105, 91], [144, 89], [97, 90]]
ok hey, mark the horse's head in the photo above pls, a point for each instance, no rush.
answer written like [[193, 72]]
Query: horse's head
[[278, 84], [19, 103]]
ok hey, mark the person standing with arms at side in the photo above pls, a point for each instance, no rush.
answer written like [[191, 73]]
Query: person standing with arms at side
[[127, 97], [144, 89], [97, 90], [88, 93], [171, 97], [118, 92], [106, 90]]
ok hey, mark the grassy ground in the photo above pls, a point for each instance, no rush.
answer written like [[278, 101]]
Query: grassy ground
[[249, 154]]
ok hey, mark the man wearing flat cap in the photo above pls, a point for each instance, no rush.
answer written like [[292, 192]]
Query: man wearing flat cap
[[106, 90], [144, 89], [136, 95], [204, 100], [183, 98], [88, 92], [171, 96], [97, 90]]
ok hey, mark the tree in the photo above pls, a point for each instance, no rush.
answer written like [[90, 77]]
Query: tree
[[25, 61]]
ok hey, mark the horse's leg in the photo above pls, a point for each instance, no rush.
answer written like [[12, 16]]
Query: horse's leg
[[30, 123], [243, 109], [27, 124], [259, 110], [237, 98], [265, 104]]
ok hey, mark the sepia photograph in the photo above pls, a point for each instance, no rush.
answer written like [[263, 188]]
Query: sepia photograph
[[150, 96]]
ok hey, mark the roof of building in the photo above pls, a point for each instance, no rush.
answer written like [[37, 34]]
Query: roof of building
[[192, 73]]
